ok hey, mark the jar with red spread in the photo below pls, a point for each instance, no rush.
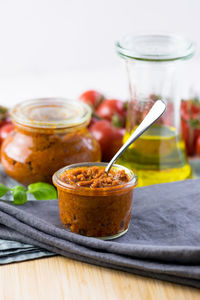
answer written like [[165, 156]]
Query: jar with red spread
[[94, 203], [49, 134]]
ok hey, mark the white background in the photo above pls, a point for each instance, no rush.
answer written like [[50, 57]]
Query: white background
[[62, 47]]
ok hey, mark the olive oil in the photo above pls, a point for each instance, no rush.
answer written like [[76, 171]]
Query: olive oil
[[158, 156]]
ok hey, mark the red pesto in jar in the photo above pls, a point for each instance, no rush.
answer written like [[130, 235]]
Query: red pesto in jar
[[49, 134], [94, 203], [94, 177]]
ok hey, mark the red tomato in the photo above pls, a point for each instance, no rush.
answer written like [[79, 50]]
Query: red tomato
[[185, 110], [114, 111], [198, 146], [196, 136], [5, 130], [190, 109], [109, 138], [91, 97], [4, 117], [4, 122], [195, 107], [187, 136], [190, 123], [190, 133]]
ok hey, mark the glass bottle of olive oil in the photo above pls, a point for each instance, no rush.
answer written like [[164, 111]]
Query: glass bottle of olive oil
[[157, 156], [152, 62]]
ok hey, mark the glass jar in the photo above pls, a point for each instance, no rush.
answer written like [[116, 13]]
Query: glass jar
[[49, 134], [97, 212], [152, 62]]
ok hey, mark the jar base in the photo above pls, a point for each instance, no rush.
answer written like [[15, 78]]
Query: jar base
[[104, 238], [112, 237]]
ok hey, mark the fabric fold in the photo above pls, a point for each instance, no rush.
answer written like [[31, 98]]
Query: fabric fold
[[163, 240], [13, 251]]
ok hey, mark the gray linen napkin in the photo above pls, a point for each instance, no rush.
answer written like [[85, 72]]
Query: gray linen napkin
[[12, 251], [163, 240]]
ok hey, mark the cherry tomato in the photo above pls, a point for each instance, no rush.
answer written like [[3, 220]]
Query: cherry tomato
[[190, 124], [4, 117], [198, 146], [185, 110], [109, 138], [4, 122], [190, 133], [187, 136], [5, 131], [195, 107], [190, 109], [112, 109], [91, 97]]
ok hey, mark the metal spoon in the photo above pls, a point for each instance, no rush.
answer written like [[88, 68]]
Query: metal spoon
[[153, 115]]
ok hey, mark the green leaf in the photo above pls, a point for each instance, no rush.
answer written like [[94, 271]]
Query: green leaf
[[3, 189], [117, 121], [194, 123], [195, 101], [126, 105], [19, 195], [42, 191]]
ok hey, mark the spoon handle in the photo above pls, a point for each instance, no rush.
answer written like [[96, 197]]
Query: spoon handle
[[153, 115]]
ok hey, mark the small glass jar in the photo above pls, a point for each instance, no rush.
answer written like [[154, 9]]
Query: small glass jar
[[96, 212], [152, 63], [49, 134]]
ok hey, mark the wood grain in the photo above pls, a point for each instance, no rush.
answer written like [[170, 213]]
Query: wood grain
[[59, 278]]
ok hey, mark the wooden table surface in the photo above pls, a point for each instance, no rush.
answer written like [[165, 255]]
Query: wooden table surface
[[59, 278]]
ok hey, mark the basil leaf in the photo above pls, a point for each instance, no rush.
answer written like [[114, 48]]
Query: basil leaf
[[3, 189], [19, 195], [42, 191]]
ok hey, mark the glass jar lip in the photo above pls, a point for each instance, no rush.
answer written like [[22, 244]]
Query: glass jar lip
[[98, 191], [155, 47], [54, 112]]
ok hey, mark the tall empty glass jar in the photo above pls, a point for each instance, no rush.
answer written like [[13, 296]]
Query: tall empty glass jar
[[152, 63]]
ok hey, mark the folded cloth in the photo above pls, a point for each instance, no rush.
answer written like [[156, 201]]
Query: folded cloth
[[12, 251], [163, 240]]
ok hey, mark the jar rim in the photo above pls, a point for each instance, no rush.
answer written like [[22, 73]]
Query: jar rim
[[155, 47], [98, 191], [56, 113]]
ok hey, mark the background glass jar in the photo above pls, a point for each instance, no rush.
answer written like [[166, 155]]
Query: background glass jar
[[49, 134], [152, 63]]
